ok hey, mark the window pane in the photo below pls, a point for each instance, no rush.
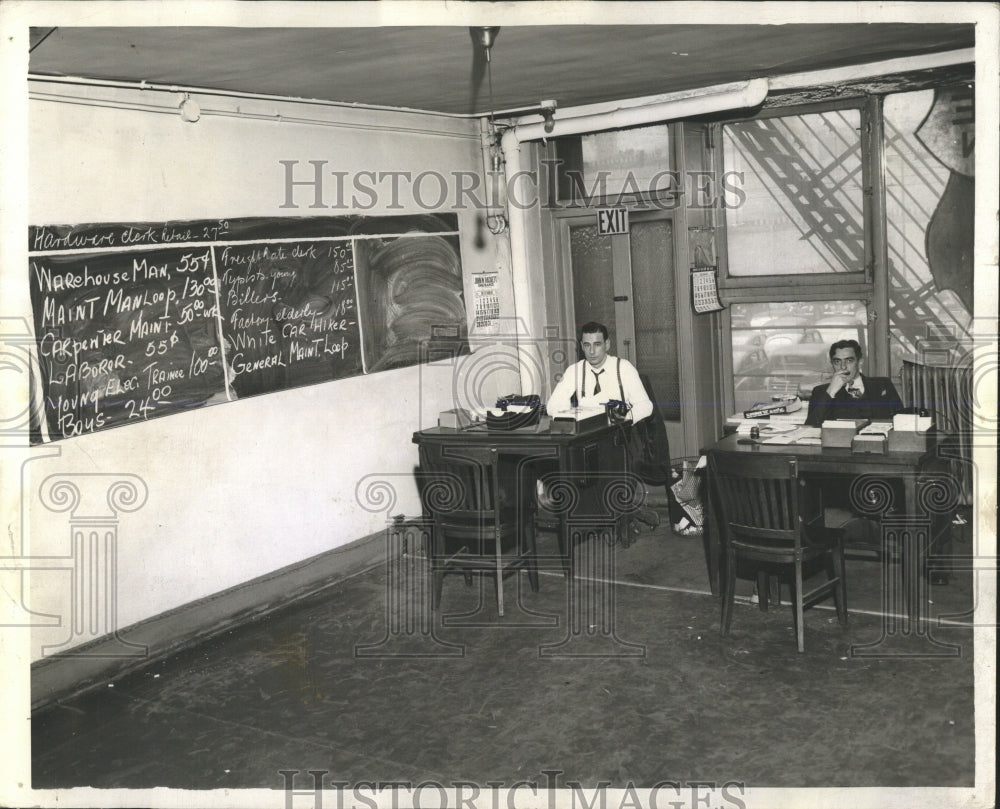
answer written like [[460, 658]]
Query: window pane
[[593, 280], [783, 348], [803, 206], [930, 204], [629, 161], [651, 246]]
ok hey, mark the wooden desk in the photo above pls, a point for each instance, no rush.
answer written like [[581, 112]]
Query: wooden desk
[[909, 522], [582, 461], [593, 495]]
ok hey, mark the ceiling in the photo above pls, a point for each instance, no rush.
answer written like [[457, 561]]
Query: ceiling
[[433, 68]]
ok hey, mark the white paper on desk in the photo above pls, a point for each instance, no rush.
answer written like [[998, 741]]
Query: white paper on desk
[[798, 435], [578, 413]]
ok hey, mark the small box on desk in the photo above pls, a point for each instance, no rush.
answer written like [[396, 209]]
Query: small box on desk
[[873, 444], [570, 425], [840, 432], [457, 419], [912, 441]]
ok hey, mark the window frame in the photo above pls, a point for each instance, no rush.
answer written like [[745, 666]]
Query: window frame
[[868, 285], [857, 284]]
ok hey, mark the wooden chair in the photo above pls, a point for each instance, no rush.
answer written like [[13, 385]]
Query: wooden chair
[[763, 520], [475, 518]]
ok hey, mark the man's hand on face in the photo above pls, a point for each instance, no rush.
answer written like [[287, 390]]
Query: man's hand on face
[[839, 379]]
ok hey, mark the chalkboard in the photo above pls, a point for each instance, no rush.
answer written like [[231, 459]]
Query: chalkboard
[[415, 283], [124, 336], [139, 320], [291, 314]]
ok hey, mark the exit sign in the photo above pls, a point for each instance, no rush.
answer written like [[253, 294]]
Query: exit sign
[[612, 221]]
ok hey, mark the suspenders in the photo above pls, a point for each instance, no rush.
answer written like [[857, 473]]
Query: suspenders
[[618, 370]]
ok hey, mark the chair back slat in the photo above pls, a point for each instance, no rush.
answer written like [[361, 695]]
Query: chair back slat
[[757, 494], [459, 486]]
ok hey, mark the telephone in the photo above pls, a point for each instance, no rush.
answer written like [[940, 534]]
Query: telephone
[[617, 411]]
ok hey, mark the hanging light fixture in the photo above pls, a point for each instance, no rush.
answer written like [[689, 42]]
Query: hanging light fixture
[[484, 37]]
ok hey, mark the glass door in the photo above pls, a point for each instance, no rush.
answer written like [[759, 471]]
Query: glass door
[[628, 282]]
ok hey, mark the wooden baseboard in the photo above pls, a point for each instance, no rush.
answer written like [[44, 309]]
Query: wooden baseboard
[[139, 645]]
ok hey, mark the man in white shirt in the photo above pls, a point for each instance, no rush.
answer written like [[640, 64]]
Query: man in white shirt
[[599, 378]]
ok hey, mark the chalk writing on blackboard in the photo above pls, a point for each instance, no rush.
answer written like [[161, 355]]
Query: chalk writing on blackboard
[[124, 336], [139, 320], [290, 313]]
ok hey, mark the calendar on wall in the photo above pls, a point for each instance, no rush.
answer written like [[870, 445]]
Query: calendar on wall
[[486, 301], [705, 290]]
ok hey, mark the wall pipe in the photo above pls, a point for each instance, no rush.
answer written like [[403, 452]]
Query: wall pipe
[[743, 95], [687, 104]]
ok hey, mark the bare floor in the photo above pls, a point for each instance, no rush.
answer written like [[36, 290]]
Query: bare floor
[[623, 679]]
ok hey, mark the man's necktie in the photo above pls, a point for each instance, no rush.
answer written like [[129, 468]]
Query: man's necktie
[[597, 381], [853, 392]]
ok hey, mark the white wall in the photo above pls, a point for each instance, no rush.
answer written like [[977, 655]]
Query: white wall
[[239, 489]]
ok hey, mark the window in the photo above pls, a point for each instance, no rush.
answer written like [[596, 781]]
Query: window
[[618, 164], [929, 140], [794, 261], [802, 207], [783, 348]]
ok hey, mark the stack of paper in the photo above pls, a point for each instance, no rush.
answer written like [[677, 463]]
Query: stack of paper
[[876, 428], [794, 435], [798, 417]]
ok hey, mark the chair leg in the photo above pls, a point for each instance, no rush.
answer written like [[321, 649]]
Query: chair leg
[[728, 591], [499, 576], [564, 554], [532, 550], [438, 587], [840, 590], [763, 589], [436, 547], [798, 609]]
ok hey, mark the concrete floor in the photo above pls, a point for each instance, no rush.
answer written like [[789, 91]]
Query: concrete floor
[[647, 692]]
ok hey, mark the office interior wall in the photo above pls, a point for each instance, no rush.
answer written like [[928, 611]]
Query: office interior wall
[[243, 488]]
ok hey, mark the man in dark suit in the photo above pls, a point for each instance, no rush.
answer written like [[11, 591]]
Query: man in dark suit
[[850, 394]]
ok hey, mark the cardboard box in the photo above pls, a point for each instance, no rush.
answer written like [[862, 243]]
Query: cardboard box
[[873, 444], [840, 432], [456, 419], [912, 441]]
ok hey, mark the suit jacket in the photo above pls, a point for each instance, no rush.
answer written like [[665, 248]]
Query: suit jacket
[[879, 402]]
